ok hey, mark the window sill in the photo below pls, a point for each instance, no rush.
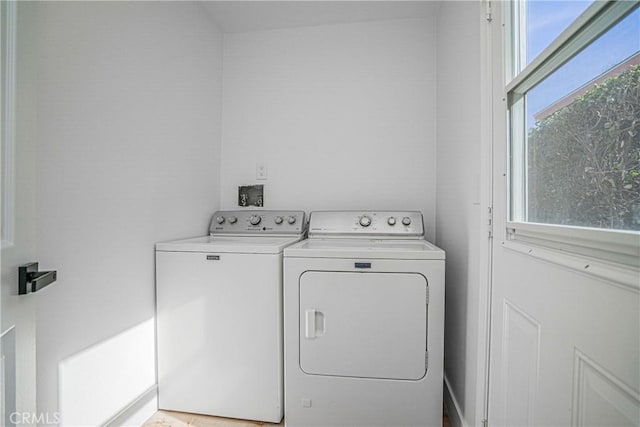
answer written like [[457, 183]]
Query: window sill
[[610, 255]]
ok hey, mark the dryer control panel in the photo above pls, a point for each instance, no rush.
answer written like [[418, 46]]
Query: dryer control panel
[[391, 224], [258, 222]]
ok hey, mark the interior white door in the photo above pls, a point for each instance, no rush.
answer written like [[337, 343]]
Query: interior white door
[[565, 345], [369, 325], [18, 324]]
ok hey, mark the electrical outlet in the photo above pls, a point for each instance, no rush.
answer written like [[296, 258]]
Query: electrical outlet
[[261, 171]]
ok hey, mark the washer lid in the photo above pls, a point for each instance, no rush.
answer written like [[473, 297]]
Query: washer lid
[[228, 244], [365, 248]]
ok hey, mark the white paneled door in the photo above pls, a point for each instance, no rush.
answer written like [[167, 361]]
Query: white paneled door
[[18, 312], [565, 343], [564, 348]]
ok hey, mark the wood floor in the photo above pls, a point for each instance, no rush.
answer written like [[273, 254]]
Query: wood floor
[[181, 419]]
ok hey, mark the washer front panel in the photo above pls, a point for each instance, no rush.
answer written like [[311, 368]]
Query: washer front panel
[[219, 338]]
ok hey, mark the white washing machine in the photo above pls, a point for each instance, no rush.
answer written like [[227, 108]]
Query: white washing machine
[[219, 316], [364, 320]]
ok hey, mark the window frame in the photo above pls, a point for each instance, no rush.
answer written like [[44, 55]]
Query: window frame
[[619, 248]]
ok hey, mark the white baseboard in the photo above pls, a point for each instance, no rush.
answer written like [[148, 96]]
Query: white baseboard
[[138, 411], [453, 408]]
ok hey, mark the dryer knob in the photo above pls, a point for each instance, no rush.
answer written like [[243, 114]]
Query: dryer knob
[[278, 220], [220, 220], [233, 220], [406, 220], [255, 220], [365, 221], [391, 221], [291, 220]]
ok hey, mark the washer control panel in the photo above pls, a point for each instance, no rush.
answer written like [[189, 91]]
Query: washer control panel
[[257, 222], [366, 223]]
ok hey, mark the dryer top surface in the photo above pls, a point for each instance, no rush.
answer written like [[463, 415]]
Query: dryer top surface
[[365, 248]]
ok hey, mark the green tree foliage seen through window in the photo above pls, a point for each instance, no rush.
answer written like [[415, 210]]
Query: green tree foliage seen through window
[[584, 159]]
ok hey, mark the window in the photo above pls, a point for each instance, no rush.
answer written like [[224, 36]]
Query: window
[[574, 126]]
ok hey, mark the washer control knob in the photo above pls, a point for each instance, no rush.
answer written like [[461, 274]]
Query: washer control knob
[[233, 220], [255, 220], [291, 220], [406, 220], [391, 221], [365, 221], [278, 220], [220, 220]]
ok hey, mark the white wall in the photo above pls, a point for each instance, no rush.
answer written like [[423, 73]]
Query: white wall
[[459, 204], [342, 115], [128, 154]]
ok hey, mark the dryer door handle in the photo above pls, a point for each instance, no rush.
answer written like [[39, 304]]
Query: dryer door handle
[[310, 323], [313, 323]]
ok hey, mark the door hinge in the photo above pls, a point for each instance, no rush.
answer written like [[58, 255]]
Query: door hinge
[[490, 221], [488, 12], [427, 295], [426, 361], [485, 422]]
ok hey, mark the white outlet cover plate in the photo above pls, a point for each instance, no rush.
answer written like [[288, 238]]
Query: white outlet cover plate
[[261, 171]]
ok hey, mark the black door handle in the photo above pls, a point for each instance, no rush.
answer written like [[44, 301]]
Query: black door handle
[[32, 280]]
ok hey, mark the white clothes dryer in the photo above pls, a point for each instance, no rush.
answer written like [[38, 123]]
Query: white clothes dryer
[[364, 317], [219, 316]]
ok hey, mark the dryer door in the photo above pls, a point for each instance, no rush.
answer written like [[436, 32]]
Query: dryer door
[[368, 325]]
